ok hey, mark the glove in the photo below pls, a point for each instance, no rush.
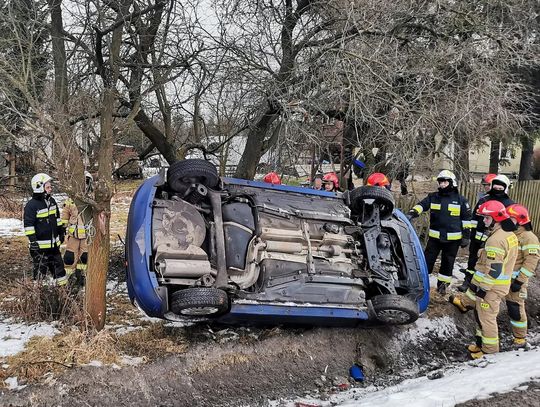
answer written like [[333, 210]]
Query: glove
[[34, 246], [464, 242], [515, 286], [480, 292]]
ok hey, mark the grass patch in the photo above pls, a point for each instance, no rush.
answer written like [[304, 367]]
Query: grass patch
[[44, 355], [153, 342], [32, 301]]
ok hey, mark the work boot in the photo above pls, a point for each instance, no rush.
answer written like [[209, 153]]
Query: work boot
[[466, 281], [456, 301], [474, 348], [520, 342], [441, 287], [477, 355]]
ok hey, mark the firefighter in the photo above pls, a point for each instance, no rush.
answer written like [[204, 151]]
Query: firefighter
[[449, 226], [43, 227], [330, 182], [272, 178], [524, 268], [486, 183], [492, 278], [318, 182], [499, 192], [378, 179], [76, 254]]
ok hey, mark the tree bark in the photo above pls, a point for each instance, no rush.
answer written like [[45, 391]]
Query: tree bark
[[494, 153], [461, 154], [525, 163]]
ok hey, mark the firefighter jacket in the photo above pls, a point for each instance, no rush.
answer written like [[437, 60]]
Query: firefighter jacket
[[450, 215], [528, 255], [478, 227], [496, 262], [72, 220], [42, 223]]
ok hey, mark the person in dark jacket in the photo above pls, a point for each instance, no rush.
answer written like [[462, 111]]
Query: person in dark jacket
[[43, 227], [449, 226], [498, 192]]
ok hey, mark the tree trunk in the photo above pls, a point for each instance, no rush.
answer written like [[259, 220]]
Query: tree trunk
[[525, 164], [253, 151], [494, 153]]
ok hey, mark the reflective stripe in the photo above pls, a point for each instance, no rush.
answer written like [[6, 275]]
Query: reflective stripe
[[59, 222], [495, 250], [444, 279], [469, 271], [501, 280], [454, 210], [515, 274], [418, 209], [44, 213], [81, 266], [435, 206], [469, 293], [466, 224], [454, 236], [490, 341], [480, 236], [478, 332], [47, 244], [61, 280], [434, 233], [519, 324], [29, 230], [530, 246], [474, 223], [526, 272]]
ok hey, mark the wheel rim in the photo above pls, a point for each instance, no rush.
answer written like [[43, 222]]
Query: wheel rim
[[199, 311], [393, 316]]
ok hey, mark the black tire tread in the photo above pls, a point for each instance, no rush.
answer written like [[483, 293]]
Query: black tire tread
[[382, 196], [199, 297], [396, 302], [195, 167]]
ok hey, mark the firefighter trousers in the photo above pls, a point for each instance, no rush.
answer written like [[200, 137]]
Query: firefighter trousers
[[448, 252], [515, 303], [48, 260], [76, 255], [486, 312]]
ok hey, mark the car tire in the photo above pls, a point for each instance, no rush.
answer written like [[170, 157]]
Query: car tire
[[394, 309], [182, 172], [198, 302], [381, 196]]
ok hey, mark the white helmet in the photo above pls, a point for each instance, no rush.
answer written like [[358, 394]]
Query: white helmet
[[447, 175], [38, 182], [503, 180]]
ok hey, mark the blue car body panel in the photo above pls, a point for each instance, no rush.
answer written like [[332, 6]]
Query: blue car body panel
[[143, 287], [141, 282]]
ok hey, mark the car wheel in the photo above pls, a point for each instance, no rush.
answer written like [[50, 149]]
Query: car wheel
[[381, 197], [186, 172], [394, 309], [199, 302]]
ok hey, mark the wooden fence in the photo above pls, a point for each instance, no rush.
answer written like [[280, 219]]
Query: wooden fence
[[526, 193]]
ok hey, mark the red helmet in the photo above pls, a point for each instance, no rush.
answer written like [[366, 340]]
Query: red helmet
[[272, 178], [378, 179], [519, 213], [331, 177], [486, 179], [495, 209]]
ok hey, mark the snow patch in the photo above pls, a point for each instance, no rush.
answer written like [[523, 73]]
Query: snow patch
[[11, 227], [13, 383], [442, 327], [14, 336]]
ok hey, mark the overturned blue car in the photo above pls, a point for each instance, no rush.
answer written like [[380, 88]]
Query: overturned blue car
[[201, 247]]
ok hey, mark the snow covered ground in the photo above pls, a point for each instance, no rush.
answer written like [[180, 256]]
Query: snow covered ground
[[462, 382], [13, 336], [11, 227]]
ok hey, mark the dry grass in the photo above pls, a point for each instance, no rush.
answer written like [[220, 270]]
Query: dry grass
[[10, 208], [72, 348], [32, 301], [152, 342]]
